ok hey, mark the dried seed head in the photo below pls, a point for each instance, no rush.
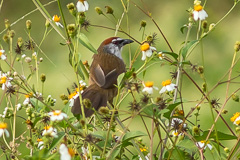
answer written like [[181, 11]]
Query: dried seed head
[[237, 46], [99, 10], [103, 110], [109, 10], [7, 24], [43, 77], [87, 103]]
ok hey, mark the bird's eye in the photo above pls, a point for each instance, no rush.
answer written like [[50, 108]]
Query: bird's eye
[[115, 42]]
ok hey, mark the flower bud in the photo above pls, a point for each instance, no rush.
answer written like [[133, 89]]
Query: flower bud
[[237, 46], [6, 38], [196, 130], [63, 97], [43, 77], [82, 122], [7, 24], [204, 24], [87, 103], [12, 33], [47, 23], [40, 59], [200, 70], [28, 24], [198, 107], [224, 111], [237, 129], [204, 87], [211, 26], [20, 42], [235, 97], [109, 10], [99, 10], [71, 28], [103, 110], [143, 23], [72, 9], [28, 60], [226, 150]]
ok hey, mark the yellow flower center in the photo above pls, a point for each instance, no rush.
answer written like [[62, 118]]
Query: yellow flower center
[[175, 133], [3, 125], [167, 82], [47, 127], [71, 152], [72, 95], [235, 116], [0, 53], [143, 149], [145, 46], [238, 122], [203, 141], [29, 95], [149, 84], [198, 7], [39, 140], [81, 1], [56, 18], [3, 79], [181, 112], [160, 55], [56, 113]]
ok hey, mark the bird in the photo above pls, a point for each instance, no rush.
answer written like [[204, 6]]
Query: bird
[[106, 66]]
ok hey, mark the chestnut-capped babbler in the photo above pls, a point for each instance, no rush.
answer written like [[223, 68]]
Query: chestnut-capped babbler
[[106, 66]]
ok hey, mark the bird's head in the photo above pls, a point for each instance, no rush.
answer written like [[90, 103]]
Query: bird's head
[[113, 45]]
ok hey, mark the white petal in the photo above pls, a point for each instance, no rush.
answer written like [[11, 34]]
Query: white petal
[[149, 90], [163, 90], [6, 132], [71, 102], [170, 88], [202, 15], [3, 57], [1, 132], [143, 55], [80, 7], [3, 51], [153, 48], [209, 146], [149, 53], [195, 15], [63, 150], [86, 5]]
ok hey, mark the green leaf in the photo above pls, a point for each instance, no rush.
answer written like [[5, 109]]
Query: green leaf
[[171, 107], [182, 28], [221, 136], [133, 134], [80, 73], [56, 141], [114, 153], [85, 42], [174, 55], [184, 50]]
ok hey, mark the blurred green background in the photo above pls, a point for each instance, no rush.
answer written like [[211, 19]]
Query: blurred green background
[[170, 16]]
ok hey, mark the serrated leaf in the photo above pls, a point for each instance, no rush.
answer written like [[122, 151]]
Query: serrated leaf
[[133, 134], [184, 50], [86, 43], [56, 141], [171, 107]]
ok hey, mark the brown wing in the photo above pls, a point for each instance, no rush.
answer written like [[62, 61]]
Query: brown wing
[[105, 69]]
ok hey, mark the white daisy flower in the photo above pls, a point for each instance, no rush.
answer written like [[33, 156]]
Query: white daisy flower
[[66, 153], [85, 152], [148, 87], [72, 98], [82, 6], [236, 118], [56, 19], [161, 55], [2, 56], [5, 80], [40, 143], [147, 50], [199, 13], [167, 86], [57, 115], [50, 131], [3, 129], [201, 144], [175, 133], [27, 99]]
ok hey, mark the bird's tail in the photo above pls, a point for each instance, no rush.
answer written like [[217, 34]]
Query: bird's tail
[[98, 97]]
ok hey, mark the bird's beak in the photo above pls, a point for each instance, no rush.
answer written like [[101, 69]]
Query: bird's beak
[[126, 41]]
